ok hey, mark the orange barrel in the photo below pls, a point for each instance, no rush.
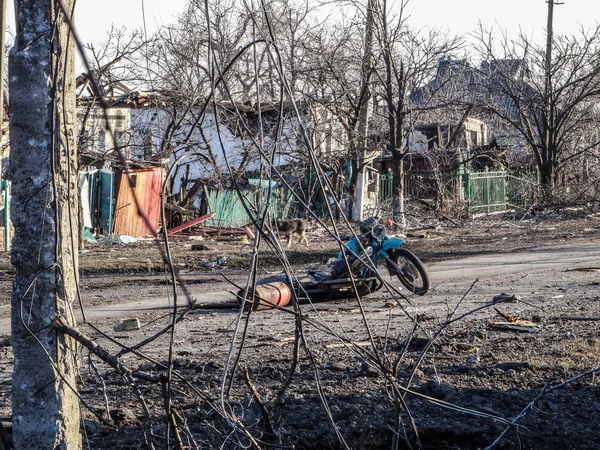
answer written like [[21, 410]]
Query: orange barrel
[[267, 295]]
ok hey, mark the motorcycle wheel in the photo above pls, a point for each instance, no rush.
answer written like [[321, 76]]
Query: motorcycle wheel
[[415, 277]]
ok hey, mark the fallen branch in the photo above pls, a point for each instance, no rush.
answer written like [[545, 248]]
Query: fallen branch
[[507, 317], [259, 402], [532, 403], [157, 335], [60, 324], [346, 344]]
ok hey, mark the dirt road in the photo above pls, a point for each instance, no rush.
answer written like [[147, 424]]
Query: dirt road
[[533, 274], [472, 364]]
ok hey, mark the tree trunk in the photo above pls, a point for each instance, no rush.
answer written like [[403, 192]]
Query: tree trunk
[[352, 186], [547, 179], [44, 214], [398, 188]]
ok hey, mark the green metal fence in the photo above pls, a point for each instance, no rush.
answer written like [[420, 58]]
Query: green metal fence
[[421, 184], [485, 191], [385, 185], [230, 211]]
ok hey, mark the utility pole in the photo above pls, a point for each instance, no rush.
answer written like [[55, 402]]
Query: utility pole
[[365, 110], [43, 164], [548, 90], [549, 41]]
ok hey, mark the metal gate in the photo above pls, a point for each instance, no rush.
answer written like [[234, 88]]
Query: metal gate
[[522, 188], [486, 191]]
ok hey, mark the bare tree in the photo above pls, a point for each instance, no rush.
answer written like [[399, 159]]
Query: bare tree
[[342, 77], [44, 213], [408, 60], [551, 104]]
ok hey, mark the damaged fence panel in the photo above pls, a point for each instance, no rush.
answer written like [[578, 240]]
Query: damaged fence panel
[[146, 185]]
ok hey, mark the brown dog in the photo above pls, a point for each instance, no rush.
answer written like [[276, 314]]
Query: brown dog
[[292, 226]]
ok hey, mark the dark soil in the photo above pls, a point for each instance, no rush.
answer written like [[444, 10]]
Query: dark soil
[[471, 382]]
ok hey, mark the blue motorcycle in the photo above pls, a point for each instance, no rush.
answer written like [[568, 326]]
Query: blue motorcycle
[[364, 252], [356, 268]]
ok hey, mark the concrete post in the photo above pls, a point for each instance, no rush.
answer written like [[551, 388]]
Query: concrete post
[[45, 249]]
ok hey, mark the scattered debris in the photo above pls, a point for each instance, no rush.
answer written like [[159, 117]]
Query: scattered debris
[[418, 343], [218, 262], [584, 269], [199, 247], [339, 367], [504, 297], [340, 344], [513, 323], [191, 223], [435, 389], [519, 325], [127, 239], [507, 317], [88, 236], [474, 359], [368, 370], [130, 324], [465, 348]]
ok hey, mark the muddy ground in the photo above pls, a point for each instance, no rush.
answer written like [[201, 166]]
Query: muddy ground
[[483, 376]]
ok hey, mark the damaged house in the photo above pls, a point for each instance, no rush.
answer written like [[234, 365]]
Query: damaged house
[[202, 159]]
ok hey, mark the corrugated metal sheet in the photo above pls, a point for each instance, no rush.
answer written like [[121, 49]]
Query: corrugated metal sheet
[[229, 210], [148, 186], [99, 198]]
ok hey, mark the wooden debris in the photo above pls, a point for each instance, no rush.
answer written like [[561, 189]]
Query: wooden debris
[[249, 233], [584, 269], [191, 223], [506, 317], [520, 325], [341, 344]]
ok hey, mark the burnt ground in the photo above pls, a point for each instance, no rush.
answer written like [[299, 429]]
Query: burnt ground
[[483, 374]]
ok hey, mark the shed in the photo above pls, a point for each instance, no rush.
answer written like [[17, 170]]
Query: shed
[[147, 186]]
